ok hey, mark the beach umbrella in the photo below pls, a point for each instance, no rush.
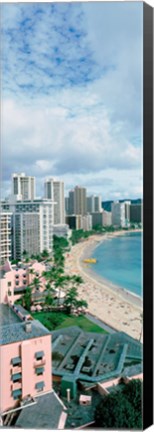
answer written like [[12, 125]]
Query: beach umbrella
[[38, 307], [32, 308]]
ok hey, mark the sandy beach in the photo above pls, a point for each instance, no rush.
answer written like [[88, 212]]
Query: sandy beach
[[115, 306]]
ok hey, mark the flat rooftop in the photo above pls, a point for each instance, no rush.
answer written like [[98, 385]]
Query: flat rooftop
[[92, 356], [12, 328], [45, 414]]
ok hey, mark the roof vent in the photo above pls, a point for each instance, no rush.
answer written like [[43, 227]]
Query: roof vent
[[28, 326]]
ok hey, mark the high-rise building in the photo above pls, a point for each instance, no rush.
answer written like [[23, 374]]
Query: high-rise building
[[97, 203], [80, 201], [107, 218], [32, 226], [71, 208], [97, 219], [66, 205], [54, 189], [127, 212], [5, 236], [118, 214], [136, 213], [23, 186], [94, 204], [48, 189]]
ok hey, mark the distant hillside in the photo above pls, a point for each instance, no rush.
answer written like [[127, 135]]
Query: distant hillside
[[106, 205]]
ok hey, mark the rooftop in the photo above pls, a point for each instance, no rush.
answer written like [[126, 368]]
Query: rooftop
[[92, 356], [45, 414], [12, 328]]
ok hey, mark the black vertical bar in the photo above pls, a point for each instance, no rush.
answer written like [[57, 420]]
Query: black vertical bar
[[148, 215]]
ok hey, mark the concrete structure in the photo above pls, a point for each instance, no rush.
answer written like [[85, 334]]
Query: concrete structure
[[79, 222], [118, 214], [23, 186], [93, 357], [32, 226], [106, 218], [61, 230], [66, 205], [85, 400], [127, 212], [87, 222], [94, 204], [5, 236], [136, 213], [97, 219], [80, 201], [54, 189], [71, 208]]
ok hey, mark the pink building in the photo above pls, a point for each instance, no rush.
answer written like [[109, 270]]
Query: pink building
[[25, 354], [15, 279]]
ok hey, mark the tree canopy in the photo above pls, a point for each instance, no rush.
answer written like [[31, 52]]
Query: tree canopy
[[121, 409]]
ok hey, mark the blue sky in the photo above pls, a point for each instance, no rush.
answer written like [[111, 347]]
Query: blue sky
[[72, 95]]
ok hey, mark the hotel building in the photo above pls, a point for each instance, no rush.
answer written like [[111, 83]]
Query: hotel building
[[118, 214], [94, 204], [80, 201], [32, 226], [107, 218], [54, 189], [5, 236], [23, 186], [136, 213]]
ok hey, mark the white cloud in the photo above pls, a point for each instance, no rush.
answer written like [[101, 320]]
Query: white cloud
[[72, 99]]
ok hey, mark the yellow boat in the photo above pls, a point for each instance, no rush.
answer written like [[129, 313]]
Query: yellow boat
[[90, 260]]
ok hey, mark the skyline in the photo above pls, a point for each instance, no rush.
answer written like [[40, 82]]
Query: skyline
[[65, 69]]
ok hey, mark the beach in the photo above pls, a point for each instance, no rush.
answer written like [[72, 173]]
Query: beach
[[112, 304]]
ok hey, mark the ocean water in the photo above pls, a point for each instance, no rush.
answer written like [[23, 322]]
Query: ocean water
[[120, 261]]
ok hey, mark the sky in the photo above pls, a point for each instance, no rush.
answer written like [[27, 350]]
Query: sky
[[72, 95]]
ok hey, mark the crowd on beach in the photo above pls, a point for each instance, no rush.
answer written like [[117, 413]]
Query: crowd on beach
[[114, 306]]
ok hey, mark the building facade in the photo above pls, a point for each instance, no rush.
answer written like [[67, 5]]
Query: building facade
[[118, 214], [136, 213], [5, 236], [107, 218], [54, 189], [23, 186], [32, 226], [25, 353], [80, 201]]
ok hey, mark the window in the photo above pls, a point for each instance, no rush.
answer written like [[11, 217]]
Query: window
[[16, 394], [39, 355], [16, 361], [16, 377], [24, 282], [9, 284], [39, 371], [39, 386], [17, 282], [16, 276]]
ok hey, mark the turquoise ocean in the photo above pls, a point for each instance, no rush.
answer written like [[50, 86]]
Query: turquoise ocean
[[119, 260]]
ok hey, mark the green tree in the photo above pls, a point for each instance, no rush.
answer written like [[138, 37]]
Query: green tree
[[27, 298], [118, 410]]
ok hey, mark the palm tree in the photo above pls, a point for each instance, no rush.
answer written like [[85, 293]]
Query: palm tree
[[36, 283], [71, 299]]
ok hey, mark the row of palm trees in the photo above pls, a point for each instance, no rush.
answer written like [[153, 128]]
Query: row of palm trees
[[56, 281]]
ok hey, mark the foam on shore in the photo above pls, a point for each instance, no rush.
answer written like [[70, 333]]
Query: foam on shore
[[115, 306]]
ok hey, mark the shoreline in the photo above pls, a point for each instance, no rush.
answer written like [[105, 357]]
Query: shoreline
[[112, 304], [125, 293]]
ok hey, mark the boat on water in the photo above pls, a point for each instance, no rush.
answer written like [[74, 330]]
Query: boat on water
[[90, 260]]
